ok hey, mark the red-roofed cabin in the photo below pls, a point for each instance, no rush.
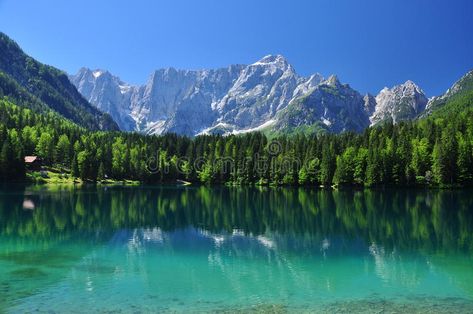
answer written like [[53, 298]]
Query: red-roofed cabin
[[33, 163]]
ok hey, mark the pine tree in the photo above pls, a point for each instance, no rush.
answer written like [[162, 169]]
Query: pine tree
[[75, 167], [5, 159], [62, 155], [327, 165], [303, 176], [465, 160], [45, 147]]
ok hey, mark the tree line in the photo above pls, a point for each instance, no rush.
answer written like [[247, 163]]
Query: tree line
[[432, 151]]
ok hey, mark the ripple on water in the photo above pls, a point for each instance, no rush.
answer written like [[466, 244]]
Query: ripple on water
[[27, 273], [44, 258], [96, 269]]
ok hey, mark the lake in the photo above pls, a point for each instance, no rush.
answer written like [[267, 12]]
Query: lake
[[221, 249]]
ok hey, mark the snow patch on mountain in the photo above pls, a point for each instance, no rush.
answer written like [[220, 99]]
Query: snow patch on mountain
[[97, 73], [261, 127], [241, 99]]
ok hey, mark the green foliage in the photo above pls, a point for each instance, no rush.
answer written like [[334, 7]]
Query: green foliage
[[118, 158], [432, 151], [45, 146], [63, 147], [11, 156], [42, 88], [101, 172], [399, 218], [206, 174], [421, 157], [346, 166]]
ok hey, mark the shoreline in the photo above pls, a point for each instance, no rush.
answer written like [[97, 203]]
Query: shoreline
[[181, 183], [56, 177]]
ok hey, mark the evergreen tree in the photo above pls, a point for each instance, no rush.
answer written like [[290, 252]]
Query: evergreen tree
[[45, 147], [101, 172], [75, 167], [63, 150]]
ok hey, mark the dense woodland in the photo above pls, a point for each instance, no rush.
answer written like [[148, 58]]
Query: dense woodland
[[432, 151], [41, 87]]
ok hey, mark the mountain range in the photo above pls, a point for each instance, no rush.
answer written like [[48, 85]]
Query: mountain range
[[267, 95]]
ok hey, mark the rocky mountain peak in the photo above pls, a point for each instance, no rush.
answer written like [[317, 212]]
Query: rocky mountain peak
[[401, 102], [332, 81], [273, 59], [370, 103], [242, 98], [272, 65], [411, 87]]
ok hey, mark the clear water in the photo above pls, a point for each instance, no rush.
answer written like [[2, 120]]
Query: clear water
[[176, 249]]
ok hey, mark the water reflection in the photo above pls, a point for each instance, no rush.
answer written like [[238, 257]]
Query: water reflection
[[383, 220], [221, 247]]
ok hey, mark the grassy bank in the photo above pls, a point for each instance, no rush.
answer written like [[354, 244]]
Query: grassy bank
[[52, 175]]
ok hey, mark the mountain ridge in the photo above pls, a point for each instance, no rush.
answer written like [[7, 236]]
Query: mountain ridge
[[42, 87], [265, 95]]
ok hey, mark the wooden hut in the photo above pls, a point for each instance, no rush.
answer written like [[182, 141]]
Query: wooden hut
[[33, 163]]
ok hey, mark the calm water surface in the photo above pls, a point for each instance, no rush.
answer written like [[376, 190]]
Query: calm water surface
[[176, 249]]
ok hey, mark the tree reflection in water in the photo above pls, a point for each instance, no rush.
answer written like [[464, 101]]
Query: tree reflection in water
[[391, 219]]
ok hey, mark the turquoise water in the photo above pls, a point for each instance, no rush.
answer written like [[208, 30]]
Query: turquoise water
[[176, 249]]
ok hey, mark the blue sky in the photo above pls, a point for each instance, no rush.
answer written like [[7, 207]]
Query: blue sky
[[367, 43]]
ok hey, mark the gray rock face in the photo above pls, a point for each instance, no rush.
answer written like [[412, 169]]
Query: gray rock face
[[261, 90], [402, 102], [107, 92], [330, 105], [267, 94], [180, 101]]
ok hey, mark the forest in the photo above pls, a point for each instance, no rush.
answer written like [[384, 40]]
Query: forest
[[432, 151]]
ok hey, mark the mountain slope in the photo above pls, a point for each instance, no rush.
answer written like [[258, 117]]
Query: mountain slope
[[331, 106], [267, 95], [192, 102], [108, 92], [26, 80], [456, 98], [262, 89]]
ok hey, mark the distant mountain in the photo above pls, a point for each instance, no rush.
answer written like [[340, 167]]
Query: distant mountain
[[330, 106], [237, 98], [402, 102], [40, 87], [267, 95]]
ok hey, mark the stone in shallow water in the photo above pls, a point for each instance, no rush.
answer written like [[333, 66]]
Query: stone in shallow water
[[260, 308], [413, 305]]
